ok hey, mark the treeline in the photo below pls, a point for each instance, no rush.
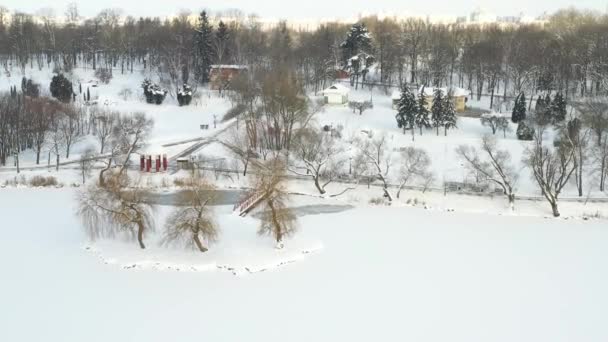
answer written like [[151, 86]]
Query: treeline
[[567, 55]]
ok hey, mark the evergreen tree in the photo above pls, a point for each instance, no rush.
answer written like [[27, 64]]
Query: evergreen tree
[[422, 114], [437, 109], [449, 113], [407, 108], [204, 48], [357, 40], [519, 109], [61, 88], [558, 108]]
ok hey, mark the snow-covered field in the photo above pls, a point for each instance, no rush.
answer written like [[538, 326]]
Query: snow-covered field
[[383, 274], [433, 266]]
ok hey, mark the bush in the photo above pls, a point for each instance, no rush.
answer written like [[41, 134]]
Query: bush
[[103, 75], [153, 92], [41, 181], [29, 88], [61, 88], [524, 132], [184, 96]]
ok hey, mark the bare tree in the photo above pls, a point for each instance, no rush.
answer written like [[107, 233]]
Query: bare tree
[[551, 168], [240, 145], [68, 125], [105, 123], [493, 164], [360, 106], [128, 137], [496, 122], [194, 222], [594, 114], [375, 155], [415, 162], [86, 163], [277, 219], [108, 210], [319, 154]]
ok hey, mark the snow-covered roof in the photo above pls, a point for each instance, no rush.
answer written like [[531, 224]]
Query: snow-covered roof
[[456, 91], [337, 89], [228, 66]]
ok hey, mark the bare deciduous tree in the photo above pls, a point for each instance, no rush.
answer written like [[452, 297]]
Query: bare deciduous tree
[[551, 168], [492, 163], [86, 163], [128, 137], [112, 209], [319, 155], [277, 219], [194, 222], [375, 156], [415, 162]]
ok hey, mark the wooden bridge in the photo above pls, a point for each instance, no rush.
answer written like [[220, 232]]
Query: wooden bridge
[[244, 206]]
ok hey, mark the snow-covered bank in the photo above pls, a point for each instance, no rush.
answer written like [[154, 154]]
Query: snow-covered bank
[[384, 274]]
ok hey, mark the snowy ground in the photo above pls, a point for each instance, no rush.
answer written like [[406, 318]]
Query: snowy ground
[[431, 267], [383, 274]]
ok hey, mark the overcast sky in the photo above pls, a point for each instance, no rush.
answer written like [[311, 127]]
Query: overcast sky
[[309, 8]]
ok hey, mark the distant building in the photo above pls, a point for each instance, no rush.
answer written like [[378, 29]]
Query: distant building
[[460, 97], [337, 94], [221, 75]]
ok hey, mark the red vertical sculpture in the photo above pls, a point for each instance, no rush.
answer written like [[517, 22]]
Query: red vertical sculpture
[[142, 163], [157, 163], [165, 162], [149, 164]]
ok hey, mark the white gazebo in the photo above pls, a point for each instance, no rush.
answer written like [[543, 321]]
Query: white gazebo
[[337, 94]]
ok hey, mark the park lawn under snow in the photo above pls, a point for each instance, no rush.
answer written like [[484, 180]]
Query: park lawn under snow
[[383, 274]]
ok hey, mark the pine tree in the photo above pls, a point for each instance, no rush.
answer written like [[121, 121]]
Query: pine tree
[[519, 109], [204, 48], [61, 88], [422, 114], [558, 108], [357, 40], [449, 113], [437, 109], [406, 115]]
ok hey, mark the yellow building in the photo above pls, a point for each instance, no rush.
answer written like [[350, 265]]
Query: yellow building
[[459, 95]]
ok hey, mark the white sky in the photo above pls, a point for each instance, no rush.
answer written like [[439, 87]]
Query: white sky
[[309, 8]]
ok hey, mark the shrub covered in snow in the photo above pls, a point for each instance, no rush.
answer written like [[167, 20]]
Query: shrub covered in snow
[[524, 132], [153, 92], [42, 181], [184, 95]]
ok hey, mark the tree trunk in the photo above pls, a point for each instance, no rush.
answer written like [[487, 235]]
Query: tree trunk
[[321, 190], [140, 233], [511, 201], [198, 243], [555, 209]]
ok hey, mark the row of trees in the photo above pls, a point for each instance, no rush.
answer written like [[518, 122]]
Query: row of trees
[[41, 124], [566, 55], [412, 113]]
